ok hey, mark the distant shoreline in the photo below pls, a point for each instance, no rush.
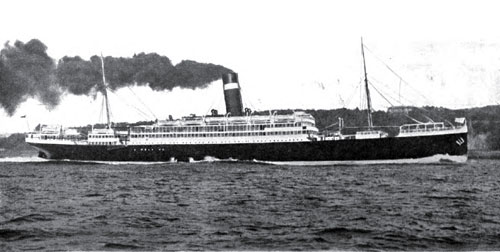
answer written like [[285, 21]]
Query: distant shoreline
[[484, 154], [472, 154]]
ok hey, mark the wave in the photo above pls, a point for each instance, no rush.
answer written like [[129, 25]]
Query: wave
[[29, 218], [436, 159], [207, 159], [343, 230], [20, 234], [70, 161], [121, 246], [22, 160], [210, 159], [341, 233], [115, 162]]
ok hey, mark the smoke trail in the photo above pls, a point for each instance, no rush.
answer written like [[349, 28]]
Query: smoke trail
[[27, 71], [80, 76]]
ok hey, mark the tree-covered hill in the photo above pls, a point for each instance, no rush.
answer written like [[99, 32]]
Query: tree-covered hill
[[483, 122], [14, 145]]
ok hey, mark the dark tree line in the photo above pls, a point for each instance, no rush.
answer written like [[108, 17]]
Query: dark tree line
[[484, 121]]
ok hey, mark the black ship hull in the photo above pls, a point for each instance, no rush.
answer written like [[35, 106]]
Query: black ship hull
[[382, 149]]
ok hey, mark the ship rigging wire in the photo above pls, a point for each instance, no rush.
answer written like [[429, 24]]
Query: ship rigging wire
[[401, 80], [101, 110], [217, 100], [349, 100], [409, 102], [397, 75], [140, 100], [143, 114], [375, 88]]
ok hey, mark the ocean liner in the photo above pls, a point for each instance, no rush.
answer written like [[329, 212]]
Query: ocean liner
[[241, 135]]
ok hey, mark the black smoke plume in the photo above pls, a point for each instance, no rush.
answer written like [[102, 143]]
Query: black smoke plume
[[80, 76], [27, 71]]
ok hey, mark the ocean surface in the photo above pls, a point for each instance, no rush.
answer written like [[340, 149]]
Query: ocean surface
[[248, 206]]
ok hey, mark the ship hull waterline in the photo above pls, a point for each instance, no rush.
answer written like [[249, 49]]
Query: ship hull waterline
[[355, 151]]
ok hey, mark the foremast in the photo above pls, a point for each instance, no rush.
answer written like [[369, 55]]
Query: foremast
[[105, 93], [368, 99]]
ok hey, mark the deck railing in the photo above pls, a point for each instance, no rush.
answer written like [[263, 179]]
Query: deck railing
[[424, 127]]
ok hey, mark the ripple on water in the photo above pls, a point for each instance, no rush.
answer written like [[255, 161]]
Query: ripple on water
[[246, 206]]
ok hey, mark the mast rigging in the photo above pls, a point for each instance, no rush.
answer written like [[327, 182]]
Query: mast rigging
[[105, 93], [368, 99]]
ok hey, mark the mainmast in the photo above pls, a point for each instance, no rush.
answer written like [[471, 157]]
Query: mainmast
[[368, 99], [105, 93]]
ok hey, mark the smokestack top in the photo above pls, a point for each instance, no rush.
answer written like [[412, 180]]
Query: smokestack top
[[230, 78], [232, 94]]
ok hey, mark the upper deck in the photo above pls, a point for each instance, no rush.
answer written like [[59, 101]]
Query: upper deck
[[431, 128], [298, 126]]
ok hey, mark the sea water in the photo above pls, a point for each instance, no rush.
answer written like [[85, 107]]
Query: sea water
[[248, 206]]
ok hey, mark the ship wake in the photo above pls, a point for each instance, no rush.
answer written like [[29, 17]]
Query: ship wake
[[22, 160], [435, 159]]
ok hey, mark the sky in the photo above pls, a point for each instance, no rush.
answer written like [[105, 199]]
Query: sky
[[288, 54]]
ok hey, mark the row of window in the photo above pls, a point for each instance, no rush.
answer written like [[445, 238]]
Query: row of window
[[51, 137], [102, 143], [233, 134], [423, 130], [423, 126], [101, 136], [249, 127], [221, 142], [58, 137]]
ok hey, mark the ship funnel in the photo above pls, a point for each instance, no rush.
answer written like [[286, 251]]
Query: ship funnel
[[232, 94]]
